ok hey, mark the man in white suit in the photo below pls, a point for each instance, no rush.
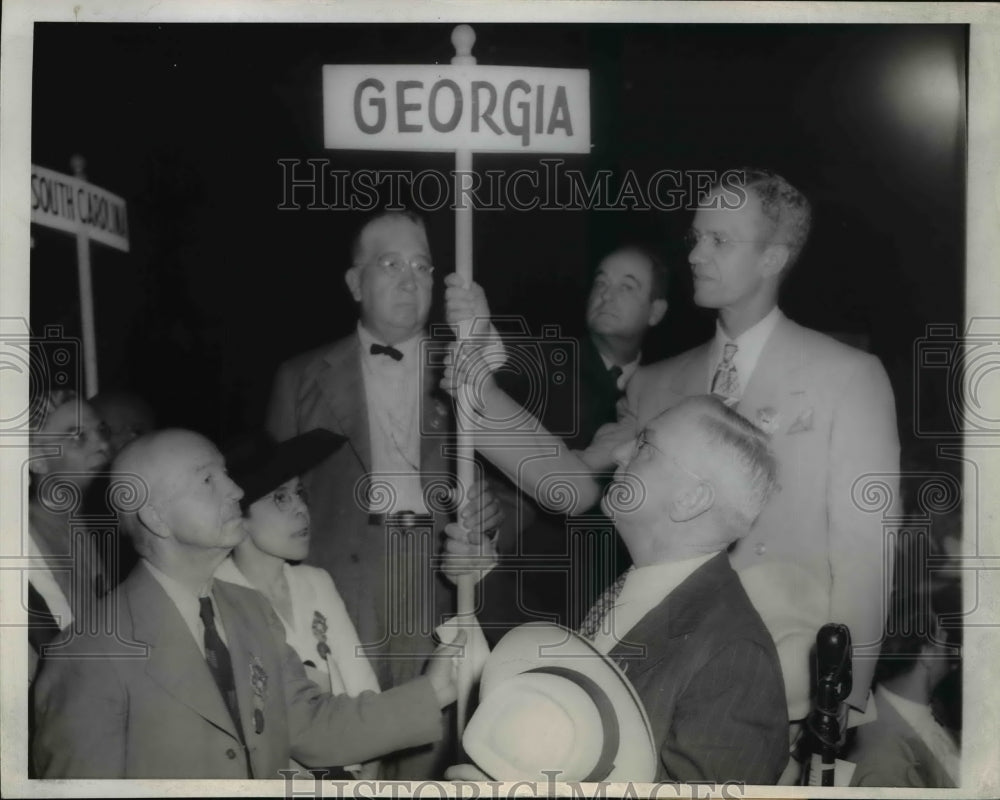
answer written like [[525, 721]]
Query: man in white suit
[[814, 555]]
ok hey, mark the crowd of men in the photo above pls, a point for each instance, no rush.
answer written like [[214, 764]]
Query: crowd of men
[[727, 478]]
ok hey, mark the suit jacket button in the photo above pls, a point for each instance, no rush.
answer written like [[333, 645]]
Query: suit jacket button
[[230, 753], [760, 548]]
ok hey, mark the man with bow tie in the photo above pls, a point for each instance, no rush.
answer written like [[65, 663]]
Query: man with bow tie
[[178, 675], [377, 503], [815, 554]]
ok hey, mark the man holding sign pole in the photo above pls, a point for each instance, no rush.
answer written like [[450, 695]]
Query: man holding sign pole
[[377, 508]]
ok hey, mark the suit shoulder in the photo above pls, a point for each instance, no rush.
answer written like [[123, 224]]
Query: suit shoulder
[[311, 360], [824, 347]]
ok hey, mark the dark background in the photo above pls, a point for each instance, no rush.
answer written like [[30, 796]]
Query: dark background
[[188, 121]]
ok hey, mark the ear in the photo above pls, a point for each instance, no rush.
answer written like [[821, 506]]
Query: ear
[[692, 502], [656, 311], [353, 280], [152, 521], [775, 258]]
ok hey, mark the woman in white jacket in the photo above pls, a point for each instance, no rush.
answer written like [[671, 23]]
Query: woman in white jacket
[[276, 518]]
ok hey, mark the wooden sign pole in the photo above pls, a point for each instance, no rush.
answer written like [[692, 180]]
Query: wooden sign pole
[[463, 37], [87, 325]]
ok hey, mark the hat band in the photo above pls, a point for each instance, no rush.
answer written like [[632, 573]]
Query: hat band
[[609, 720]]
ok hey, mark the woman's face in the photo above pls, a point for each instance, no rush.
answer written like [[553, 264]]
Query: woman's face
[[278, 523]]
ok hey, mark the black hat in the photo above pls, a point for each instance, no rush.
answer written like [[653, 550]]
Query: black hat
[[260, 465]]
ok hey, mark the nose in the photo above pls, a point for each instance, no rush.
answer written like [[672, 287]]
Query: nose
[[622, 453], [697, 254], [234, 491], [408, 280]]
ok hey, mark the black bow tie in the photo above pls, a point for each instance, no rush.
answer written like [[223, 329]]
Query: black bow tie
[[386, 350]]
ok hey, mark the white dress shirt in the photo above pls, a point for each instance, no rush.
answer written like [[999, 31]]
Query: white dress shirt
[[919, 717], [644, 589], [187, 604], [749, 346], [393, 393]]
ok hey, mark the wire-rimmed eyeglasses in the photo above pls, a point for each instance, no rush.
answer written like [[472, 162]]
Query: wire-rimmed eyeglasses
[[395, 265]]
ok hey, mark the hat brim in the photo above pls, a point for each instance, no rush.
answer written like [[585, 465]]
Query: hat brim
[[268, 465], [541, 645]]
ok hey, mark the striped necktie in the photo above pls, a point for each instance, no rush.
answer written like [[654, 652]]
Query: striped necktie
[[726, 381], [591, 624]]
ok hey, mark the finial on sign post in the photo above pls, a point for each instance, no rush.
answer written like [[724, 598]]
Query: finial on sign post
[[78, 163], [462, 39]]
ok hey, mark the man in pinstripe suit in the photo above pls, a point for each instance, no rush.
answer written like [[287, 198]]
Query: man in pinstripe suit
[[680, 623]]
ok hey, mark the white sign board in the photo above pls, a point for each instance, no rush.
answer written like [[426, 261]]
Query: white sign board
[[68, 203], [446, 108]]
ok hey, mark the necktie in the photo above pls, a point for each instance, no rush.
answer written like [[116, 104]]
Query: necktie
[[616, 373], [726, 382], [386, 350], [217, 656], [592, 622]]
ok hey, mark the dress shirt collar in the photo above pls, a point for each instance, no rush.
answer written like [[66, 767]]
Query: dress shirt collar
[[187, 605], [749, 345], [409, 347]]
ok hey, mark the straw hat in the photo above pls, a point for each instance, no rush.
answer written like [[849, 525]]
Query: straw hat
[[550, 701]]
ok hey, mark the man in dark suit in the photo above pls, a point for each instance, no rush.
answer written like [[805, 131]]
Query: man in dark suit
[[679, 623], [182, 676]]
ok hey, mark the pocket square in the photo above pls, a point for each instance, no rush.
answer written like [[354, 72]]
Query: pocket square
[[803, 422]]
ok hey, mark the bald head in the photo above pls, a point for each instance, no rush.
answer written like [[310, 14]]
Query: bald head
[[182, 494]]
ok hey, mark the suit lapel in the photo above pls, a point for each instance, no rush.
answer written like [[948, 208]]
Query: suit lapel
[[175, 662], [774, 377], [343, 386], [676, 615], [692, 374], [245, 652], [434, 424]]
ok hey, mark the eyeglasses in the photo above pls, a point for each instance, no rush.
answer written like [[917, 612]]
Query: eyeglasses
[[394, 265], [284, 498], [717, 240], [642, 445]]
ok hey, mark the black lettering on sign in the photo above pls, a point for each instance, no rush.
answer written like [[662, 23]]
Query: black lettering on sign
[[456, 115], [559, 118], [402, 107], [486, 115], [378, 103], [508, 121]]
